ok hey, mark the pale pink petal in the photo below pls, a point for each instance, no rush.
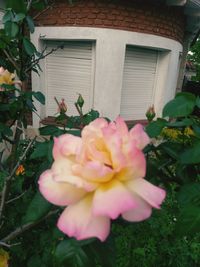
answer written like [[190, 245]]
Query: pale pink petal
[[58, 193], [150, 193], [112, 199], [113, 142], [95, 152], [78, 221], [93, 171], [121, 126], [140, 212], [94, 128], [136, 165], [136, 162], [66, 145], [138, 134], [62, 172]]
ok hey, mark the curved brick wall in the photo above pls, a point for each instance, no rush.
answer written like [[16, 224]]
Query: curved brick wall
[[131, 15]]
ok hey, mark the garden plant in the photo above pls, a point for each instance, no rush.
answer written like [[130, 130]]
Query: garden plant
[[88, 191]]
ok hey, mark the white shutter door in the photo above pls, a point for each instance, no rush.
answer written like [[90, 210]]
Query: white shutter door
[[69, 72], [138, 82]]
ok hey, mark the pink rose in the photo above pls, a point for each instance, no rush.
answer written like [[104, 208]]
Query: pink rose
[[100, 177]]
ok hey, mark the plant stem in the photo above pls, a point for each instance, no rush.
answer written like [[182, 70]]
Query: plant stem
[[18, 231], [8, 179]]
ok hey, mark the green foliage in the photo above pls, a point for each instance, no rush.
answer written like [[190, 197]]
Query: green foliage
[[155, 242], [34, 213], [181, 106], [174, 157], [70, 252], [155, 128]]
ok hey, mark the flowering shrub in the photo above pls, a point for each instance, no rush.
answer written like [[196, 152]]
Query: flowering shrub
[[100, 177], [98, 170]]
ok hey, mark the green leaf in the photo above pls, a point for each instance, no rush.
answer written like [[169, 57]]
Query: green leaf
[[28, 46], [196, 129], [19, 17], [8, 16], [189, 194], [182, 105], [43, 150], [172, 149], [90, 116], [154, 129], [40, 97], [191, 155], [30, 23], [188, 222], [198, 102], [11, 29], [74, 132], [37, 209], [50, 130], [30, 105], [69, 251], [4, 129], [182, 123]]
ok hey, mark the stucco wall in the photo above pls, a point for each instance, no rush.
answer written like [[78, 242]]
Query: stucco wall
[[109, 63], [151, 17]]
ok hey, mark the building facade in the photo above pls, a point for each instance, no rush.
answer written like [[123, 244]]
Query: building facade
[[121, 55]]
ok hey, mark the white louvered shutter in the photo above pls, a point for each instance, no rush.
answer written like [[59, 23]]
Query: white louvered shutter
[[69, 72], [138, 82]]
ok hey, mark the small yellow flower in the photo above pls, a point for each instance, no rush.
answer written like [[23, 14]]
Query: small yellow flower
[[171, 133], [188, 132], [20, 170], [6, 77], [4, 257]]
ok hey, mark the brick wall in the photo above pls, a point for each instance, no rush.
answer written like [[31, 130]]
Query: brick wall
[[144, 16]]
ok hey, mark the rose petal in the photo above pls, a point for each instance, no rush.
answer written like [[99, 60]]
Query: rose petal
[[78, 221], [62, 172], [121, 126], [66, 145], [94, 129], [140, 212], [138, 134], [113, 142], [93, 171], [149, 192], [96, 151], [58, 193], [135, 164], [112, 199]]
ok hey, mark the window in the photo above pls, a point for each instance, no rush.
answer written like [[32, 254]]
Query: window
[[68, 72], [138, 82]]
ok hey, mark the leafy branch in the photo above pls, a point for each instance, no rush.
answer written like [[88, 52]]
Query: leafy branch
[[9, 178], [21, 229]]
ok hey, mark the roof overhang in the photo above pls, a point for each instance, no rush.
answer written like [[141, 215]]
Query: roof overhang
[[192, 12]]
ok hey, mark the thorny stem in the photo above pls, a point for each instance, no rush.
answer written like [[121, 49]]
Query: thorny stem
[[3, 244], [36, 61], [11, 60], [29, 5], [20, 230]]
